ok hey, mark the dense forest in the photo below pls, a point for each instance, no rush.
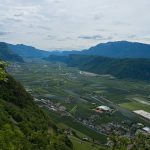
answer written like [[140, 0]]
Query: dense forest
[[23, 125], [135, 68]]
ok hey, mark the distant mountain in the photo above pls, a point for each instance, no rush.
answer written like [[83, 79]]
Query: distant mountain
[[32, 52], [130, 68], [120, 49], [28, 51], [7, 54]]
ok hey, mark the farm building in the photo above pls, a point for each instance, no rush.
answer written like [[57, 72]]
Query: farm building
[[146, 129], [101, 109], [143, 113]]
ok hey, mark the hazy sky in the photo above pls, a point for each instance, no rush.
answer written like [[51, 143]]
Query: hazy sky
[[73, 24]]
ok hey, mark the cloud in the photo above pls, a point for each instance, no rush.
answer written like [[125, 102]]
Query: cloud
[[74, 24], [3, 33], [11, 20], [119, 23], [43, 27], [132, 36], [19, 14], [51, 37], [94, 37], [97, 15]]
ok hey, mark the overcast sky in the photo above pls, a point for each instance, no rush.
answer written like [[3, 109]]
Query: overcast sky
[[73, 24]]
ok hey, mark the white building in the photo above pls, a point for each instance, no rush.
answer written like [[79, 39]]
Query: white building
[[103, 108], [143, 114], [146, 129]]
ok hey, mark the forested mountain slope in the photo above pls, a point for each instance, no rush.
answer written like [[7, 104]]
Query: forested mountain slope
[[7, 54], [121, 68], [120, 49], [28, 51]]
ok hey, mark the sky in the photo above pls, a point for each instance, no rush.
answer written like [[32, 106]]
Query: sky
[[73, 24]]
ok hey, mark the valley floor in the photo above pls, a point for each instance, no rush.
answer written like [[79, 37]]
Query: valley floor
[[71, 97]]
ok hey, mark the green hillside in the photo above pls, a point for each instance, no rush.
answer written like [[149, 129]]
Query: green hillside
[[23, 125]]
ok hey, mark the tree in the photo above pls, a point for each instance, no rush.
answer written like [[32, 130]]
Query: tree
[[3, 74], [139, 142]]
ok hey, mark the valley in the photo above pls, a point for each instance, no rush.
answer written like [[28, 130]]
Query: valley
[[75, 75], [71, 98]]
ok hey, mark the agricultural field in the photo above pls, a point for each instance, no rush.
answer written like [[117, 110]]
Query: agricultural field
[[80, 93], [135, 106], [85, 145]]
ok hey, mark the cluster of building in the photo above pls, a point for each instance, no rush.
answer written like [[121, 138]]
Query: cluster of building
[[143, 129], [146, 115], [88, 123], [57, 107], [124, 128], [69, 75]]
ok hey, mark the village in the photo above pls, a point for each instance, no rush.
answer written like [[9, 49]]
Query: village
[[52, 106], [126, 127]]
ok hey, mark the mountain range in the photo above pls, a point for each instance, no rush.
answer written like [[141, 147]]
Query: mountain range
[[118, 49]]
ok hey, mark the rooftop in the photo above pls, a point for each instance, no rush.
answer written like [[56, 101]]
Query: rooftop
[[143, 114], [103, 108], [147, 129]]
